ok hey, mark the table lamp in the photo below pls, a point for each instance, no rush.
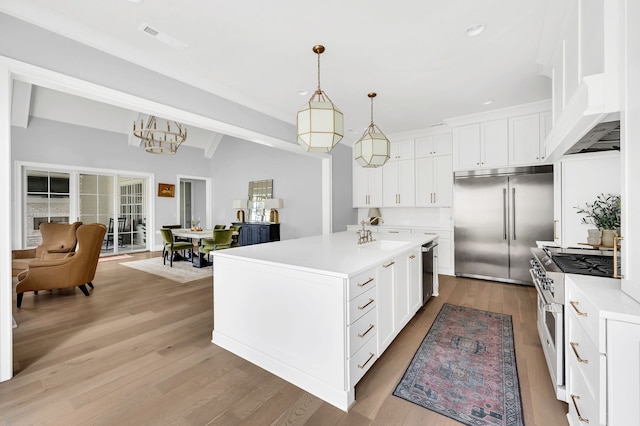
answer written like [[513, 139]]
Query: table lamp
[[272, 204], [374, 216], [240, 205]]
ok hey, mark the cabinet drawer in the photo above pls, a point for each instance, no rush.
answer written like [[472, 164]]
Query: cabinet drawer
[[582, 353], [580, 400], [361, 283], [361, 331], [362, 361], [583, 311], [361, 305]]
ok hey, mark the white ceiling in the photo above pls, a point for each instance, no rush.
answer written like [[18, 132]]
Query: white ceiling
[[413, 53]]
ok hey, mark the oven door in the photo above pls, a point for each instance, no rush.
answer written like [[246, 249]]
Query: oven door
[[551, 331]]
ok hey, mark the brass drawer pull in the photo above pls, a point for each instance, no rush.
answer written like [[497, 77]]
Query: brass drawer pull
[[366, 304], [413, 256], [573, 346], [365, 333], [573, 399], [365, 283], [574, 305], [367, 361], [388, 264]]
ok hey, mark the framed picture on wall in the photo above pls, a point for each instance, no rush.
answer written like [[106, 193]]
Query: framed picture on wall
[[166, 190]]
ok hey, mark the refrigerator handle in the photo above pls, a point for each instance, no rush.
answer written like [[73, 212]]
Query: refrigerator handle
[[504, 213], [513, 214]]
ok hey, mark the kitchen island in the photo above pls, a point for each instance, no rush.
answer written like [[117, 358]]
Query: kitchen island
[[317, 311]]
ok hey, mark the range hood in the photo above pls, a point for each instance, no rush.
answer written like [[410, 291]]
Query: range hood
[[603, 136]]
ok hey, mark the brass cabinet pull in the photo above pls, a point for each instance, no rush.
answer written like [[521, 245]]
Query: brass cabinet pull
[[575, 405], [367, 361], [365, 333], [365, 283], [394, 232], [555, 229], [388, 264], [413, 256], [574, 305], [615, 257], [435, 200], [366, 304], [575, 351]]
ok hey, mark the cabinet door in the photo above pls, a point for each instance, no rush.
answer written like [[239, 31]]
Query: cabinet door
[[623, 373], [402, 150], [467, 143], [425, 147], [400, 292], [557, 202], [443, 181], [374, 178], [415, 281], [546, 124], [494, 138], [443, 144], [406, 184], [390, 184], [384, 288], [360, 186], [524, 140], [425, 181]]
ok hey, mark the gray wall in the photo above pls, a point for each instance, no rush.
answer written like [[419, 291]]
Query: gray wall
[[296, 179], [342, 198]]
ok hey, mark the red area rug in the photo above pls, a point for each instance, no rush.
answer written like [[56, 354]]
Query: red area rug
[[465, 369]]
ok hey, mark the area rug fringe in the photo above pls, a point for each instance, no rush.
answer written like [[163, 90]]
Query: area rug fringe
[[182, 271], [465, 369]]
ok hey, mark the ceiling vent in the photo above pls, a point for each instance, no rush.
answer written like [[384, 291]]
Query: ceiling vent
[[159, 35]]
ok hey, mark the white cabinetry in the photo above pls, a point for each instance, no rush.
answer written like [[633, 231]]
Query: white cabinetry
[[434, 181], [582, 178], [526, 143], [415, 288], [397, 289], [398, 184], [361, 324], [429, 146], [402, 150], [602, 351], [367, 186], [445, 249], [482, 145]]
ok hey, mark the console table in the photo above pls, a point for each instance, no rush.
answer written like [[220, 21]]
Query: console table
[[258, 232]]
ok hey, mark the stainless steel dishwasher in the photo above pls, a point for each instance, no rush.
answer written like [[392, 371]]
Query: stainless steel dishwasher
[[429, 269]]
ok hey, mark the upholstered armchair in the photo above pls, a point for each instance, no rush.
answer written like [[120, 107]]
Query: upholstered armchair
[[75, 269], [58, 239]]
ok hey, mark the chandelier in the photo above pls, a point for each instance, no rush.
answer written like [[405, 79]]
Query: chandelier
[[372, 149], [320, 123], [160, 140]]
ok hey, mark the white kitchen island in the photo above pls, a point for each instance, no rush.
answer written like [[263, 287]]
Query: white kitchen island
[[317, 311]]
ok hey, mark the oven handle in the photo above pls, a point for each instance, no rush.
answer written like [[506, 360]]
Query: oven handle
[[548, 306]]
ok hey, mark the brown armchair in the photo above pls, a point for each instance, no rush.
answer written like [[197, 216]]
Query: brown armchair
[[58, 239], [75, 269]]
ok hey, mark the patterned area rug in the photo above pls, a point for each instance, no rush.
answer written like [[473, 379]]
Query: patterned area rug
[[182, 271], [465, 369]]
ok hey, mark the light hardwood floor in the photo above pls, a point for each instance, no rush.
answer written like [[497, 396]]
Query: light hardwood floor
[[138, 351]]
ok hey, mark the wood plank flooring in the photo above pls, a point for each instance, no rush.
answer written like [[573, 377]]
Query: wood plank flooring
[[138, 351]]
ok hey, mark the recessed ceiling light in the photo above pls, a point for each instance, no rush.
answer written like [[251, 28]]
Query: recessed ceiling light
[[489, 102], [302, 92], [474, 30]]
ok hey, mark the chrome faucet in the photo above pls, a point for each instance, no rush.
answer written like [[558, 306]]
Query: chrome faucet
[[364, 235]]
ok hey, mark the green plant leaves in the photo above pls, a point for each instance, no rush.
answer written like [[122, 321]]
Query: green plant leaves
[[604, 212]]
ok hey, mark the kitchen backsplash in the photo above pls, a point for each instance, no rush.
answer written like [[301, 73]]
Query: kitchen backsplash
[[412, 216]]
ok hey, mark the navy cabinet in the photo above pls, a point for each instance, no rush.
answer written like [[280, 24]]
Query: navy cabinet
[[256, 233]]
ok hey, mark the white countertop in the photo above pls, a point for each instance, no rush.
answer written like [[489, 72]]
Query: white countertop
[[407, 227], [335, 254], [607, 296]]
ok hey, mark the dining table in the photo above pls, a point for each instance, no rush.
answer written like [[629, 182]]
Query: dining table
[[195, 236]]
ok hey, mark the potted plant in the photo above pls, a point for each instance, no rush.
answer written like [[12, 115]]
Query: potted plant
[[604, 213]]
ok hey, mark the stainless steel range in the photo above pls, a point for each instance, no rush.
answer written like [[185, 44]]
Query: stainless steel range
[[548, 266]]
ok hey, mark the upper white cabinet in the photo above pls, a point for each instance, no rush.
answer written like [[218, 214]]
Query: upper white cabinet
[[367, 186], [402, 150], [434, 181], [429, 146], [398, 184], [482, 145]]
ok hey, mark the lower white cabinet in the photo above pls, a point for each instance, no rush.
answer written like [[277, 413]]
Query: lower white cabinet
[[398, 290], [602, 353]]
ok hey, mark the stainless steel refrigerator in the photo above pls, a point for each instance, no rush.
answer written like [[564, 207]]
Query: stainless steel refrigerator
[[499, 215]]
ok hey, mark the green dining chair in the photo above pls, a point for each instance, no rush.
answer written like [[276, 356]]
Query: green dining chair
[[235, 239], [171, 246], [219, 226], [222, 239]]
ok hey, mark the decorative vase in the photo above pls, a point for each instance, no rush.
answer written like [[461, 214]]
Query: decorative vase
[[608, 236]]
